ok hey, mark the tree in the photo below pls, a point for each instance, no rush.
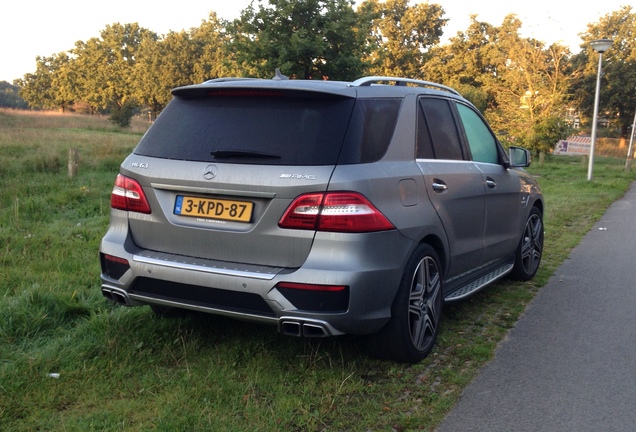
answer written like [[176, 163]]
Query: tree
[[619, 69], [161, 66], [104, 67], [521, 85], [10, 97], [531, 89], [213, 58], [47, 87], [546, 132], [464, 63], [177, 59], [310, 39], [400, 35]]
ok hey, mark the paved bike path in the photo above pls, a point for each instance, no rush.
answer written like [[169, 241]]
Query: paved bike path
[[570, 362]]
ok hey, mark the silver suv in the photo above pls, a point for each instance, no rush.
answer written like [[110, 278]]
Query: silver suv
[[324, 208]]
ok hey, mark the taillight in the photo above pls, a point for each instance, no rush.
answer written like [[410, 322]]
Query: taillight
[[336, 212], [128, 195]]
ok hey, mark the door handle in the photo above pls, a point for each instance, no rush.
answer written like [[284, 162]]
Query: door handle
[[439, 186], [491, 183]]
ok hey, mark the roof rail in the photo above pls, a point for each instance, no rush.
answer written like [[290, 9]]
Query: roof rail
[[368, 81], [219, 80]]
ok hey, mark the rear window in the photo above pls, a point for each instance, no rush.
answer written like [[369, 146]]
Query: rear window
[[271, 129]]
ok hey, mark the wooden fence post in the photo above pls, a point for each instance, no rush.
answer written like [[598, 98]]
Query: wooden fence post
[[73, 162]]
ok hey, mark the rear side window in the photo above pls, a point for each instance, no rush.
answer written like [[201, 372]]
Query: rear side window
[[372, 127], [265, 129], [438, 137]]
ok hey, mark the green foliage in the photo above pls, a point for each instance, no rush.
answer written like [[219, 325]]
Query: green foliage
[[122, 115], [125, 369], [547, 133], [400, 35], [10, 97], [49, 87], [519, 83], [619, 69], [308, 39], [103, 67]]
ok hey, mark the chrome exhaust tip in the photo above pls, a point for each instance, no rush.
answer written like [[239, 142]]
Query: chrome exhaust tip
[[117, 296], [314, 330], [290, 328], [302, 328], [107, 294]]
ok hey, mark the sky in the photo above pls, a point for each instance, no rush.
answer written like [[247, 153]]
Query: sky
[[47, 27]]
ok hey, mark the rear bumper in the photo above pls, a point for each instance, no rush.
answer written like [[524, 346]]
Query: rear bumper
[[368, 265]]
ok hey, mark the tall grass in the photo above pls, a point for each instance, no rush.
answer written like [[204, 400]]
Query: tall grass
[[125, 369]]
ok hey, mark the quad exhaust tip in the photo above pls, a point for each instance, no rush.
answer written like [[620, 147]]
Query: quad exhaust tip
[[117, 296], [300, 328], [287, 326]]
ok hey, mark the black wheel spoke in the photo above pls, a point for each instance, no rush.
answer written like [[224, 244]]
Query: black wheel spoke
[[532, 245], [423, 300], [416, 312]]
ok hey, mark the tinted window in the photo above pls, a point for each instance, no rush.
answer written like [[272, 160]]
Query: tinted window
[[482, 143], [270, 129], [438, 132], [372, 126]]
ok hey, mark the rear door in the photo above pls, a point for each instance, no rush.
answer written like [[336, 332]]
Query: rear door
[[454, 184]]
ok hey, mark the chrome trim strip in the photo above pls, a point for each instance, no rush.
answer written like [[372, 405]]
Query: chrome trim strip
[[217, 191], [231, 314], [444, 161], [208, 266]]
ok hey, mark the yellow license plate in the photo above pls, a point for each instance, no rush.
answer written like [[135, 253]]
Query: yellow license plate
[[238, 211]]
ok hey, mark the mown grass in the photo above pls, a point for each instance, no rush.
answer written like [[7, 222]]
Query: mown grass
[[125, 369]]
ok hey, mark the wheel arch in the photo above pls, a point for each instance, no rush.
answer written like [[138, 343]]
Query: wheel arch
[[438, 245], [539, 205]]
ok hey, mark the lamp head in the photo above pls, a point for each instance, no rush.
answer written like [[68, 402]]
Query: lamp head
[[601, 45]]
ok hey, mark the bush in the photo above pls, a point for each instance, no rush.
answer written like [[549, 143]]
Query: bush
[[121, 115]]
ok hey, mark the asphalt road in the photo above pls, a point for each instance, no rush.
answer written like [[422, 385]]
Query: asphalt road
[[570, 362]]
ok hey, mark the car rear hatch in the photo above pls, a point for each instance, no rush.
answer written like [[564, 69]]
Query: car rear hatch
[[222, 164]]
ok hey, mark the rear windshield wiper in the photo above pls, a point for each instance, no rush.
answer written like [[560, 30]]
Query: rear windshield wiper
[[243, 154]]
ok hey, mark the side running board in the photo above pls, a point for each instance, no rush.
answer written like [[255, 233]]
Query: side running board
[[474, 286]]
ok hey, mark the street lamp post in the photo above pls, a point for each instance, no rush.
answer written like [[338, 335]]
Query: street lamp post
[[600, 46], [628, 163]]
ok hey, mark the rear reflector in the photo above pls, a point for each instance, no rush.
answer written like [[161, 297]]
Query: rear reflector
[[112, 266], [116, 259], [310, 287], [316, 298]]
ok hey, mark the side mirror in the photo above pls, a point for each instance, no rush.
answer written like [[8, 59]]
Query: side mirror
[[519, 157]]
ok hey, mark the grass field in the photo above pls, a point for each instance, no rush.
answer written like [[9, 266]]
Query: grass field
[[70, 361]]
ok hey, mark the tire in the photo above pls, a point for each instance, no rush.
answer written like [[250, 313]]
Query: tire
[[416, 312], [530, 249]]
